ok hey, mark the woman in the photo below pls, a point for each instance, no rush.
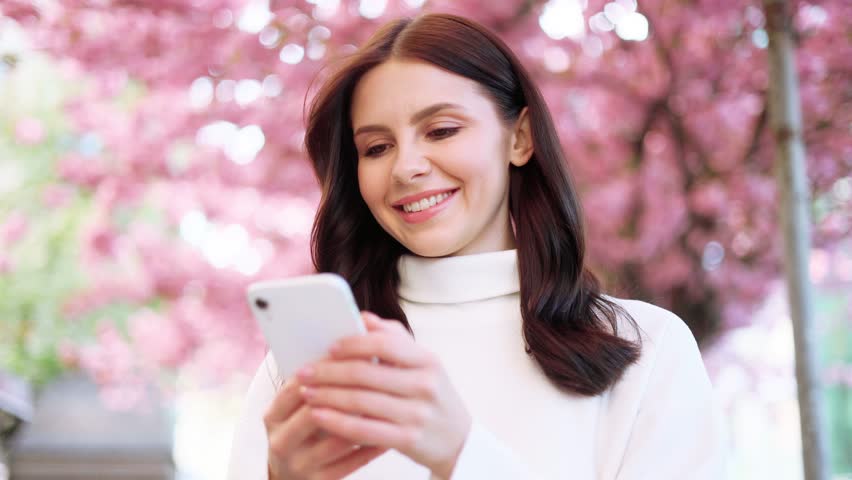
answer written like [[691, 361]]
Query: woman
[[447, 206]]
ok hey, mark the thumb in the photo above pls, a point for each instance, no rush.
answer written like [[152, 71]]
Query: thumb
[[375, 323], [372, 321]]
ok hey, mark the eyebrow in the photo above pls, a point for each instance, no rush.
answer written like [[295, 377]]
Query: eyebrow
[[417, 117]]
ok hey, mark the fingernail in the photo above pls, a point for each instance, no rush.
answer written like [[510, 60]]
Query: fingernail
[[305, 373], [334, 348]]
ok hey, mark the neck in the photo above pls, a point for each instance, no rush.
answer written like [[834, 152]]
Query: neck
[[506, 241], [460, 278]]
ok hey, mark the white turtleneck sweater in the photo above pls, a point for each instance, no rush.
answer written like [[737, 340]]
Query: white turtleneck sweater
[[658, 422]]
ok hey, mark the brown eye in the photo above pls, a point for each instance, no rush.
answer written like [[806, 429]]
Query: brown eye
[[376, 150], [445, 132]]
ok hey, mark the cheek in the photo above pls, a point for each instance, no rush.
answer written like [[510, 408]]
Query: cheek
[[371, 186], [478, 165], [465, 161]]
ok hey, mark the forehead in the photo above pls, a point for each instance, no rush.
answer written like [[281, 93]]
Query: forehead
[[395, 89]]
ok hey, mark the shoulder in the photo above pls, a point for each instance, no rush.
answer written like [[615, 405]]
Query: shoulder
[[668, 349], [656, 325], [666, 395], [670, 362]]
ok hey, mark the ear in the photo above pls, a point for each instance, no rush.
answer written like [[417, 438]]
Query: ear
[[521, 144]]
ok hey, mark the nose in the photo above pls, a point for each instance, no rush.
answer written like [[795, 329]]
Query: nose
[[409, 164]]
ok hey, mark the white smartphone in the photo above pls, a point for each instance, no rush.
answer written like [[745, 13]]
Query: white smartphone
[[301, 317]]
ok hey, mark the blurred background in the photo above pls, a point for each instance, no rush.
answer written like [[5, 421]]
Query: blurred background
[[151, 167]]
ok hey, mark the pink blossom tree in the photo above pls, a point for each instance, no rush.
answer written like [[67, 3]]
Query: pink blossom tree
[[189, 128]]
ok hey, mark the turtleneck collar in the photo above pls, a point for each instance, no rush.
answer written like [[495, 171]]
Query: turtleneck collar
[[464, 278]]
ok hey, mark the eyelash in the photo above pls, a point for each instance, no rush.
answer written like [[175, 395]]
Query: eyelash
[[450, 131]]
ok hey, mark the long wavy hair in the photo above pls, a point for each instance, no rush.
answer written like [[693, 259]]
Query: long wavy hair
[[569, 326]]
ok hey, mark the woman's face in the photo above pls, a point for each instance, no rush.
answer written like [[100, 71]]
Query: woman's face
[[433, 159]]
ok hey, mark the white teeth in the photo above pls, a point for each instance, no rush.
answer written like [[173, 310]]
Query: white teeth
[[425, 203]]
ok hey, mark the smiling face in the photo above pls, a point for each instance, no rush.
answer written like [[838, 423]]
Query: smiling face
[[434, 157]]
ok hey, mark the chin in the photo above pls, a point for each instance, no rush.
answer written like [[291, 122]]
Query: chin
[[430, 250]]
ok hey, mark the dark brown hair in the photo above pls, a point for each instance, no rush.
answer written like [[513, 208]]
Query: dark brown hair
[[569, 327]]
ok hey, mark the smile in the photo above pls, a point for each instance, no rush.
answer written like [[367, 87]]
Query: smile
[[426, 203], [417, 212]]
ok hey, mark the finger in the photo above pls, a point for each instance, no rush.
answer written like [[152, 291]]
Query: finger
[[323, 452], [352, 462], [367, 402], [286, 437], [377, 323], [388, 347], [367, 375], [362, 430], [286, 401]]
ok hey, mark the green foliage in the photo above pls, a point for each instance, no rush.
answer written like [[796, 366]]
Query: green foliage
[[43, 265], [834, 307]]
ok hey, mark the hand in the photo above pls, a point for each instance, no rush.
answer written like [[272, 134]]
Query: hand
[[405, 402], [298, 449]]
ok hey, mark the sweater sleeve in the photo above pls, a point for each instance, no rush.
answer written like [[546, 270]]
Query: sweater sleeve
[[249, 450], [484, 456], [678, 431]]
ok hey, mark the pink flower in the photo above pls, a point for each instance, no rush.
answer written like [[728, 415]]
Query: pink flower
[[83, 171], [13, 229], [57, 196], [5, 265], [29, 131], [19, 10], [159, 340], [708, 199], [668, 272], [111, 359]]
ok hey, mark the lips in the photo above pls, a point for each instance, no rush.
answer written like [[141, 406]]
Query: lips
[[422, 216]]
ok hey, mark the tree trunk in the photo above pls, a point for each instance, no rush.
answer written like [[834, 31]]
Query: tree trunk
[[786, 124]]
